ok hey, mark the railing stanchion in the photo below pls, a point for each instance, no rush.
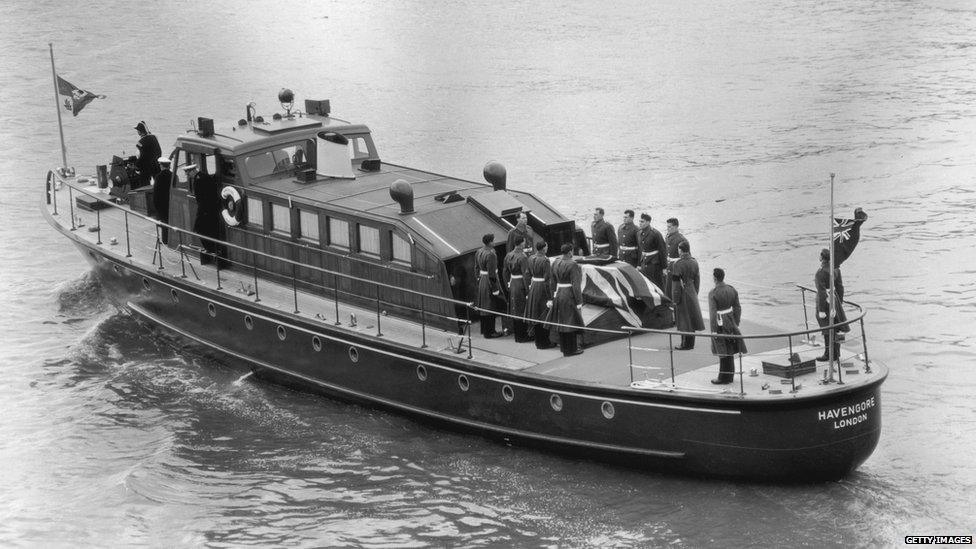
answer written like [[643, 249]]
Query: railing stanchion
[[52, 182], [335, 296], [806, 319], [294, 286], [423, 323], [257, 295], [159, 250], [742, 378], [98, 225], [379, 331], [840, 366], [470, 351], [128, 246], [182, 257], [864, 342], [671, 352], [790, 362], [71, 206], [217, 264], [630, 353]]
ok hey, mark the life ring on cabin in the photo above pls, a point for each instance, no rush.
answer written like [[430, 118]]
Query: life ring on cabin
[[232, 206]]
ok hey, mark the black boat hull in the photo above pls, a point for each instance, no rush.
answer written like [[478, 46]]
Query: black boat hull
[[801, 439]]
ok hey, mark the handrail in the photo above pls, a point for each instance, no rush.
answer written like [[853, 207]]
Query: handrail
[[264, 254]]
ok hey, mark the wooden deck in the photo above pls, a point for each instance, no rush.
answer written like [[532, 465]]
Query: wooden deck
[[605, 364]]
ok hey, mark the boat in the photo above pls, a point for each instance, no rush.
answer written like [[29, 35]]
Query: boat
[[337, 272]]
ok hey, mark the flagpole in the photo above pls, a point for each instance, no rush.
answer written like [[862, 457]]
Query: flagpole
[[57, 107], [830, 292]]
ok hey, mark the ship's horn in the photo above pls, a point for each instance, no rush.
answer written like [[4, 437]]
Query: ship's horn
[[495, 174], [402, 193]]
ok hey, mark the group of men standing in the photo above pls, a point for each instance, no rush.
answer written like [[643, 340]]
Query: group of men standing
[[539, 295]]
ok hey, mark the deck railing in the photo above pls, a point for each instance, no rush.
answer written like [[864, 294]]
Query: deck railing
[[424, 313]]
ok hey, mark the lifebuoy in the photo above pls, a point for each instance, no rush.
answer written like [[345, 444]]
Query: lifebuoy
[[232, 206]]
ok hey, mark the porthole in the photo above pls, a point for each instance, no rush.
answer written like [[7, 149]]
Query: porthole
[[463, 382], [607, 409], [556, 402], [316, 343], [212, 309], [174, 295], [145, 283], [281, 333], [507, 393], [353, 354], [422, 372], [248, 322]]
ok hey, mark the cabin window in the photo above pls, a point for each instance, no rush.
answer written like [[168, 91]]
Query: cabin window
[[401, 249], [358, 150], [276, 161], [309, 225], [338, 233], [255, 213], [280, 219], [369, 240]]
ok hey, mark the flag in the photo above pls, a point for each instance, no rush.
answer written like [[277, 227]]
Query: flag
[[616, 294], [75, 98], [847, 233]]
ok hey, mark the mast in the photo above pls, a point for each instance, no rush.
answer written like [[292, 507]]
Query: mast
[[830, 289], [57, 107]]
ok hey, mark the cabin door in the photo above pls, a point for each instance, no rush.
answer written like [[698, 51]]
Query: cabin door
[[184, 204]]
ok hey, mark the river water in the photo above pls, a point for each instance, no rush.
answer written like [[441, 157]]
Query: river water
[[729, 115]]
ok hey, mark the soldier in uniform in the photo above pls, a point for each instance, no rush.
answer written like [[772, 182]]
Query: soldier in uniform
[[653, 251], [541, 287], [147, 165], [627, 239], [724, 314], [522, 230], [161, 186], [822, 281], [486, 261], [685, 282], [517, 275], [604, 237], [567, 301], [672, 240]]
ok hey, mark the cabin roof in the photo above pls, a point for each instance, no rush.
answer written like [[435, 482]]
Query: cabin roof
[[450, 228], [234, 139]]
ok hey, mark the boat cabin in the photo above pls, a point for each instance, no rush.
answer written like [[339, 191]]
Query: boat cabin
[[312, 188]]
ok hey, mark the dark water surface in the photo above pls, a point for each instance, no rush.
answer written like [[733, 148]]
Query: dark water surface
[[728, 115]]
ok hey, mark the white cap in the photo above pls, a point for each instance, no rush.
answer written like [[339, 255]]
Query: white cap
[[163, 160]]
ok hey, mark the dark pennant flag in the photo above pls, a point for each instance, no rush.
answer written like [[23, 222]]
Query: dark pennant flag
[[74, 98], [847, 233]]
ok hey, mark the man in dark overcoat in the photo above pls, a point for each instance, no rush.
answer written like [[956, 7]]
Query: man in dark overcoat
[[672, 240], [604, 237], [822, 282], [207, 221], [685, 282], [522, 230], [567, 301], [147, 164], [517, 275], [161, 185], [541, 289], [653, 252], [627, 240], [489, 290], [725, 313]]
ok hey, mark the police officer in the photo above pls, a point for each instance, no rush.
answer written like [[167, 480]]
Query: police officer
[[604, 237], [627, 239]]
